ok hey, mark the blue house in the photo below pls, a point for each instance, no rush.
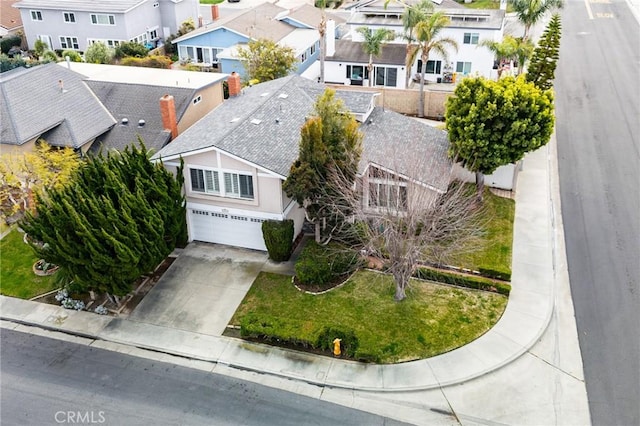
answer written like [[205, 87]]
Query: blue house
[[216, 45]]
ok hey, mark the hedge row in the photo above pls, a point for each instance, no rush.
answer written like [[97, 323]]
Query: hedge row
[[149, 62], [479, 283], [267, 327]]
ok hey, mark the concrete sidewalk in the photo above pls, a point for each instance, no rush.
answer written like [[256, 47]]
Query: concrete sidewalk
[[525, 319]]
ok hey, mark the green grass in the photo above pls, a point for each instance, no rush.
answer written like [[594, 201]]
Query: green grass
[[485, 4], [16, 275], [433, 319], [494, 250], [211, 1]]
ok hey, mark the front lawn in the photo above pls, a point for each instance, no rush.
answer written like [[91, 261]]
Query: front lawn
[[433, 319], [211, 1], [494, 251], [16, 275]]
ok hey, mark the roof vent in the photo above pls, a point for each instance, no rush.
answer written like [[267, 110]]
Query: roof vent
[[265, 94], [124, 121], [283, 96], [141, 123], [233, 120], [256, 121]]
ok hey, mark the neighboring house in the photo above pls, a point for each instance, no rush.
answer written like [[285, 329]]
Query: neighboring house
[[52, 103], [218, 43], [76, 24], [238, 156], [10, 20], [468, 27], [153, 104], [348, 65]]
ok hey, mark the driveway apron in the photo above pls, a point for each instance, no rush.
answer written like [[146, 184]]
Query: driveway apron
[[202, 289]]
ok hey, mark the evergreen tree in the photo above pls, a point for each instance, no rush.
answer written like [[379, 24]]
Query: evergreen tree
[[330, 143], [117, 219], [542, 67]]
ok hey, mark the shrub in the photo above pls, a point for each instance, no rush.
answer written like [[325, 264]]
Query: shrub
[[349, 341], [73, 55], [149, 62], [278, 237], [320, 264], [6, 43], [492, 273], [479, 283], [132, 49], [98, 53], [50, 56]]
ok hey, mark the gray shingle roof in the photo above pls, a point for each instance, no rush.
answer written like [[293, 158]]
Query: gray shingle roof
[[137, 102], [310, 15], [114, 6], [351, 51], [262, 126], [33, 103]]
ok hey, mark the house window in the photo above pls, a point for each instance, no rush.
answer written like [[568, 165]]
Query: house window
[[463, 67], [356, 72], [100, 19], [36, 15], [388, 195], [386, 76], [238, 185], [153, 34], [303, 57], [197, 99], [142, 39], [69, 43], [205, 181], [312, 50], [471, 38], [433, 67], [46, 39], [69, 17]]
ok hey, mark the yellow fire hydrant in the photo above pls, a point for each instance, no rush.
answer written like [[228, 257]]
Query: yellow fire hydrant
[[336, 347]]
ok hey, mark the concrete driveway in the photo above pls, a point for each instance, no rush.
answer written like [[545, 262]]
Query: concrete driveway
[[202, 289]]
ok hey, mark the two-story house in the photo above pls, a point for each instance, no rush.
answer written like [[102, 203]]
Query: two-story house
[[217, 44], [467, 27], [76, 24]]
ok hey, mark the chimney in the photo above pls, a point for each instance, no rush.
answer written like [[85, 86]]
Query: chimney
[[234, 84], [199, 21], [61, 86], [330, 38], [215, 13], [168, 113]]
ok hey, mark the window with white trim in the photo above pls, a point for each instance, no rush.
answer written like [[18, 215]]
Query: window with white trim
[[463, 67], [386, 190], [433, 67], [386, 76], [69, 17], [235, 185], [109, 43], [471, 38], [101, 19], [238, 185], [142, 39], [36, 15], [69, 43]]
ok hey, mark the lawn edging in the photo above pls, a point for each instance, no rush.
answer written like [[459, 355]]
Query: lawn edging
[[462, 280]]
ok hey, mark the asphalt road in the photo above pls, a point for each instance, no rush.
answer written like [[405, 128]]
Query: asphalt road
[[47, 382], [598, 133]]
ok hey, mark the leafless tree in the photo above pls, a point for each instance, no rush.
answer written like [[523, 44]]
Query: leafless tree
[[394, 214]]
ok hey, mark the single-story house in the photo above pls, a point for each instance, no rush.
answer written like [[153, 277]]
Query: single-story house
[[238, 156]]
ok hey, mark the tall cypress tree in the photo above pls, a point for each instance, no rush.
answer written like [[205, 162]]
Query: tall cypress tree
[[542, 67], [117, 219]]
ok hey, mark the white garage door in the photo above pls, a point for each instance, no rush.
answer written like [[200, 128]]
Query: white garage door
[[225, 228]]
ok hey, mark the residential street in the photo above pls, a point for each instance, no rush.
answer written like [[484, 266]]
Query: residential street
[[44, 379], [598, 127]]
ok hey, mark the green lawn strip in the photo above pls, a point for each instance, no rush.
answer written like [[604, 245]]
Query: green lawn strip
[[495, 248], [432, 320], [485, 4], [211, 1], [16, 275]]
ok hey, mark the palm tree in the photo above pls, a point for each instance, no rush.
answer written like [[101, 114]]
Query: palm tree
[[427, 37], [509, 49], [322, 31], [373, 41], [529, 12], [410, 18]]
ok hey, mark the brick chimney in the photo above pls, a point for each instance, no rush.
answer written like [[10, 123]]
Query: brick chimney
[[234, 84], [168, 113], [215, 13]]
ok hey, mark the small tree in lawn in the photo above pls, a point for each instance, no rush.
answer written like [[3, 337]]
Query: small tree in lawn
[[117, 219], [23, 175], [541, 71], [329, 140], [264, 60], [399, 219], [373, 41], [492, 124]]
